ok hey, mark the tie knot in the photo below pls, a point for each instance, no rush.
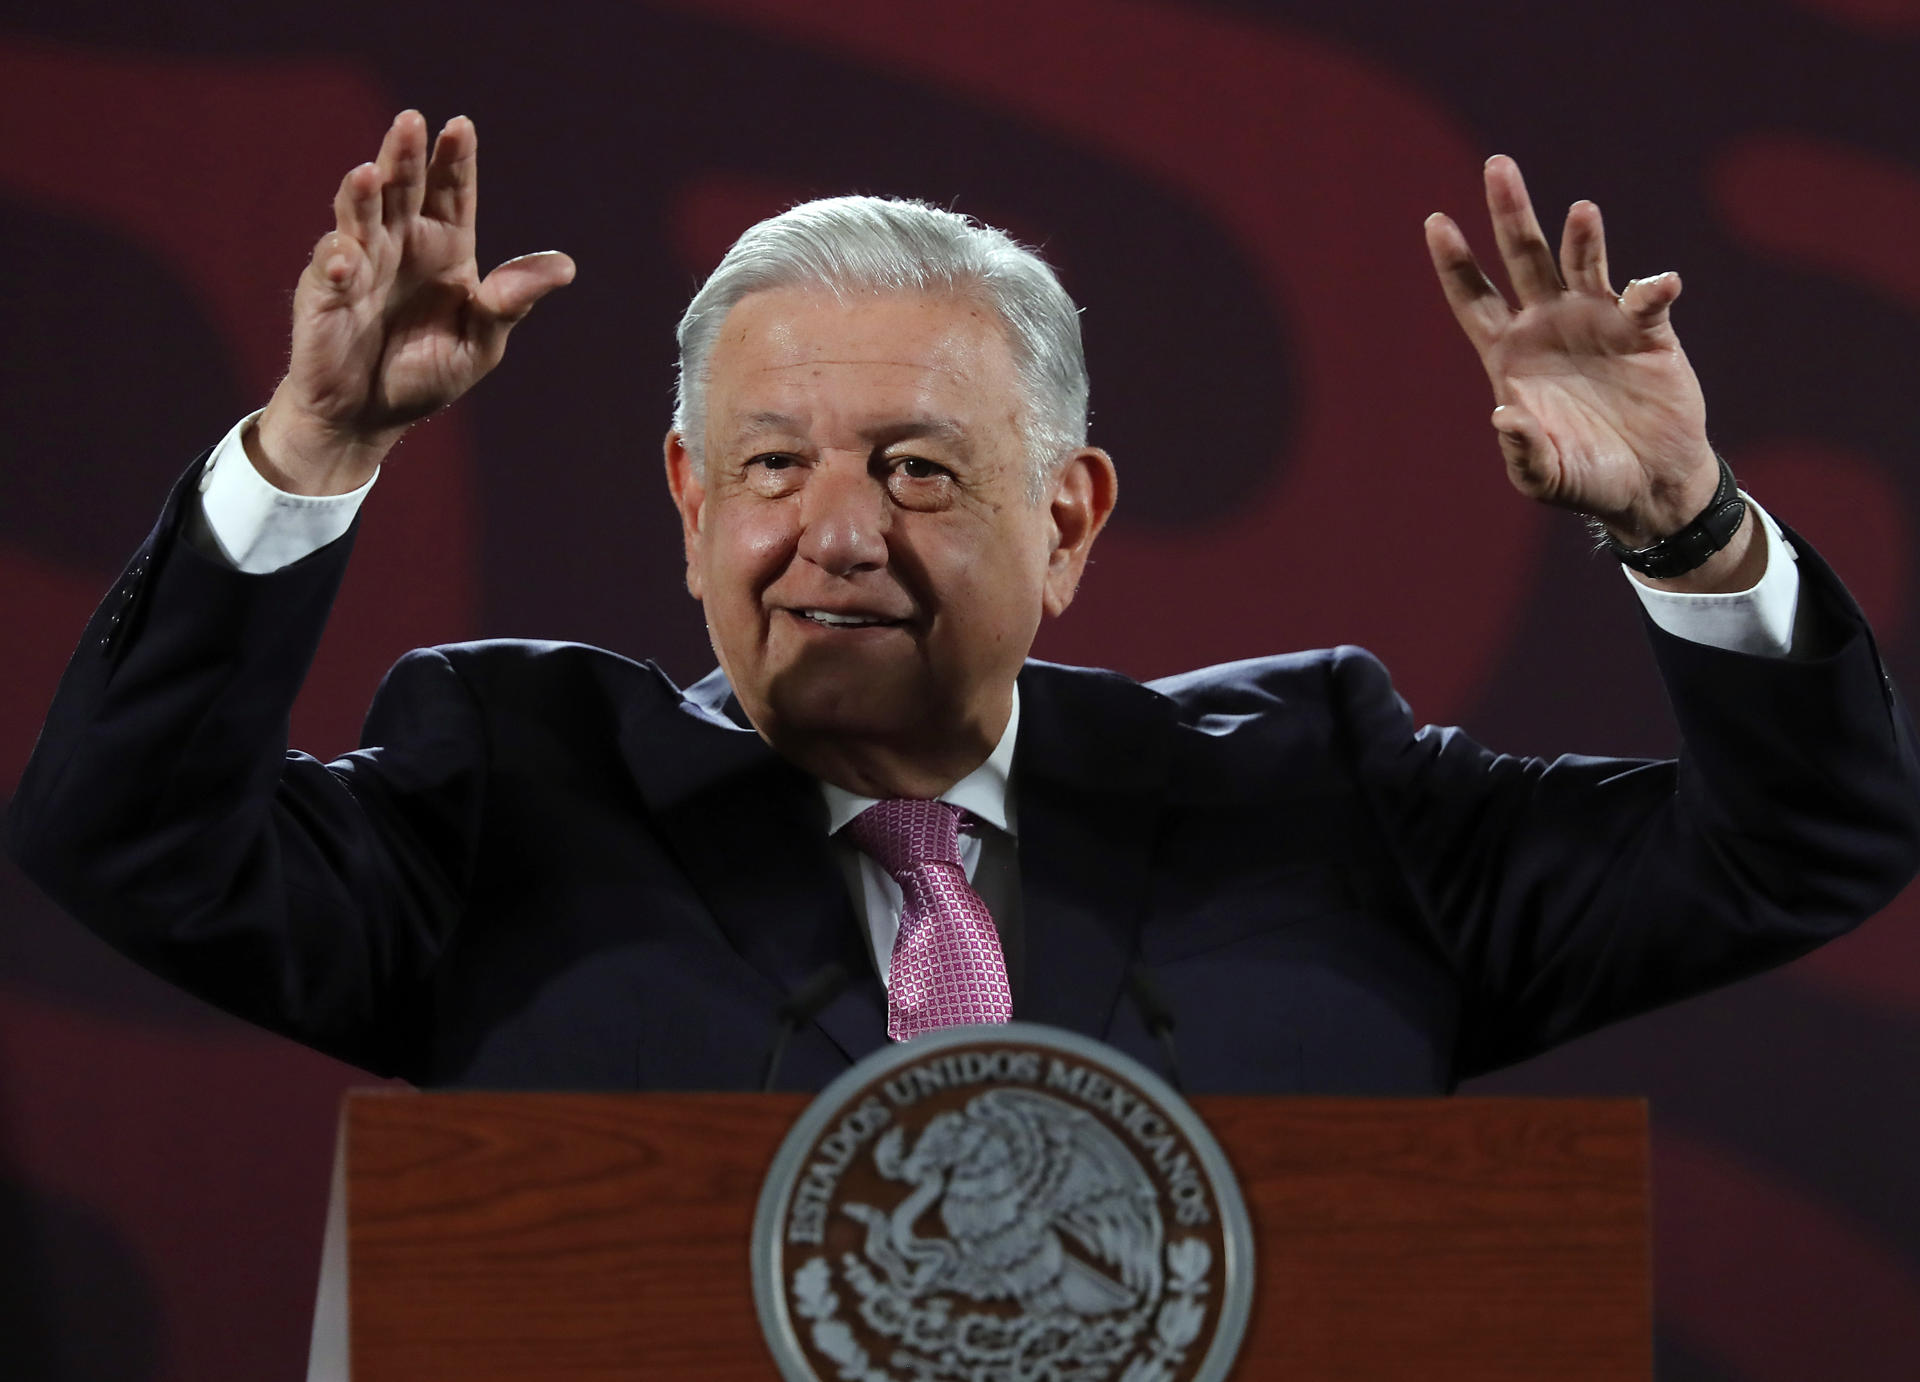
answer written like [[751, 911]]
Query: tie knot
[[902, 833]]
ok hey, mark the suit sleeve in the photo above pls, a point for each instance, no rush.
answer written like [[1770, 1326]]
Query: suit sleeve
[[163, 809], [1574, 892]]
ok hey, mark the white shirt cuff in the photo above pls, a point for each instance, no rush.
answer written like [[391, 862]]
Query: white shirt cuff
[[253, 526], [1757, 621]]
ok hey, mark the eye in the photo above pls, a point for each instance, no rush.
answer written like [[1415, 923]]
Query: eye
[[918, 483], [773, 474], [919, 468]]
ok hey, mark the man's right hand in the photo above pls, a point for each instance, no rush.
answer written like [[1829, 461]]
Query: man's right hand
[[392, 319]]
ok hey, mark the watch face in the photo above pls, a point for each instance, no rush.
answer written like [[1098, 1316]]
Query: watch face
[[1001, 1202]]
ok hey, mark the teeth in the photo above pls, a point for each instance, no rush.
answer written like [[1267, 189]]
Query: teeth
[[821, 616]]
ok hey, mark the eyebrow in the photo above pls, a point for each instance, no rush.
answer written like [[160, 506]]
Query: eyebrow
[[913, 429], [886, 434], [770, 422]]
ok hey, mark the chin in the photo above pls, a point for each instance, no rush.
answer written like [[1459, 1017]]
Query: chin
[[866, 711], [853, 701]]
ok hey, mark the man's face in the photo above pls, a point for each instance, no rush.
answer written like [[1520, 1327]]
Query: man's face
[[872, 569]]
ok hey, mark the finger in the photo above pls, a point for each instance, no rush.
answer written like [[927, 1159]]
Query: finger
[[452, 175], [1533, 465], [403, 166], [1523, 248], [506, 295], [1477, 305], [335, 261], [1583, 251], [356, 206], [1648, 300], [511, 290]]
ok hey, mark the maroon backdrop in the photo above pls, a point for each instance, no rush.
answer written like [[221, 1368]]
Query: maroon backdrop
[[1234, 192]]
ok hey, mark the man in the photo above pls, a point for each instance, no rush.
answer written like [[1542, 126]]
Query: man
[[552, 867]]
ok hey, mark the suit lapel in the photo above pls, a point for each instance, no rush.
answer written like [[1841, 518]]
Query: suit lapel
[[748, 829], [1090, 772]]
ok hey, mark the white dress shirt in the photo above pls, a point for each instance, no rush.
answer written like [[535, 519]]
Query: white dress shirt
[[257, 528]]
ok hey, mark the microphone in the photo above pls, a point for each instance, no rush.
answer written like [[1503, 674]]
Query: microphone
[[1156, 1014], [799, 1008]]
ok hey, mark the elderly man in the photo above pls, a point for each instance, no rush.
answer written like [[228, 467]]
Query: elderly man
[[551, 866]]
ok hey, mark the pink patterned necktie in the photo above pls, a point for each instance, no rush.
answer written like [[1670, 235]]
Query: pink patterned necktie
[[947, 968]]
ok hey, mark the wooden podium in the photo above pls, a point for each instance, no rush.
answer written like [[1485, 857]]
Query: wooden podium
[[569, 1237]]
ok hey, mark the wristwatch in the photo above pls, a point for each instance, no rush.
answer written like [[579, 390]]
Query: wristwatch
[[1684, 551]]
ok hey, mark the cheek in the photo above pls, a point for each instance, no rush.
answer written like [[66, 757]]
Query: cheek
[[999, 585], [746, 550]]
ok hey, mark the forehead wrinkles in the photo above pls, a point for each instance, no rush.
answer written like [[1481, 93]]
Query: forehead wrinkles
[[810, 359], [798, 400], [867, 396], [922, 341], [906, 376], [796, 326], [875, 362]]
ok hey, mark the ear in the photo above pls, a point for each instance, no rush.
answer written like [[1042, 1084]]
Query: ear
[[689, 490], [1083, 497]]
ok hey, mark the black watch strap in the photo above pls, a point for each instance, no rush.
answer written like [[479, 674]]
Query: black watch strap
[[1681, 552]]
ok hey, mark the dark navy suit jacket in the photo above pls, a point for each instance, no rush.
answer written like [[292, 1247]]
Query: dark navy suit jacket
[[552, 868]]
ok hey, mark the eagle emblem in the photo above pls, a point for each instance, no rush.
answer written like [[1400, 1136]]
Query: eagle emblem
[[1006, 1204], [1016, 1179]]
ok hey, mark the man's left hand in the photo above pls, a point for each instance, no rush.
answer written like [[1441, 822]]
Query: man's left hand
[[1599, 411]]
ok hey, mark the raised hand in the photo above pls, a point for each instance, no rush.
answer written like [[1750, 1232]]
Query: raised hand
[[1598, 410], [391, 319]]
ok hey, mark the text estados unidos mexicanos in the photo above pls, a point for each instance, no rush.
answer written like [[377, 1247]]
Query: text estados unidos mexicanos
[[812, 1195]]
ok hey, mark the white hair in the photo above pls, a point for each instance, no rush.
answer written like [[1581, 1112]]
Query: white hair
[[855, 245]]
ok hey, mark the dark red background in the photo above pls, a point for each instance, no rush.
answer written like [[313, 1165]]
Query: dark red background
[[1234, 193]]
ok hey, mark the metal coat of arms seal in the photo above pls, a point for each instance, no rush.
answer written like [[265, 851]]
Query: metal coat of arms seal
[[1001, 1204]]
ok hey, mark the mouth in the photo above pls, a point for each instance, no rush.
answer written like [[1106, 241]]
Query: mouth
[[847, 620]]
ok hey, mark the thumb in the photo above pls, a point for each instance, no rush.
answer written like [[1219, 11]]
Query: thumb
[[1532, 461], [506, 295], [1647, 300], [511, 290]]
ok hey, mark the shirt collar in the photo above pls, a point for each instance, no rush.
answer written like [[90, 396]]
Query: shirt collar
[[984, 792]]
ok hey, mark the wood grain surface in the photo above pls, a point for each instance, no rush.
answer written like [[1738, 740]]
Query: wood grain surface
[[584, 1238], [1484, 1239]]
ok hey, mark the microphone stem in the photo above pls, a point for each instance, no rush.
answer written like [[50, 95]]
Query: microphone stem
[[776, 1054], [1164, 1031]]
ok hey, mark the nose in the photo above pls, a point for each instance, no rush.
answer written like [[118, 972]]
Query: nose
[[843, 516]]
